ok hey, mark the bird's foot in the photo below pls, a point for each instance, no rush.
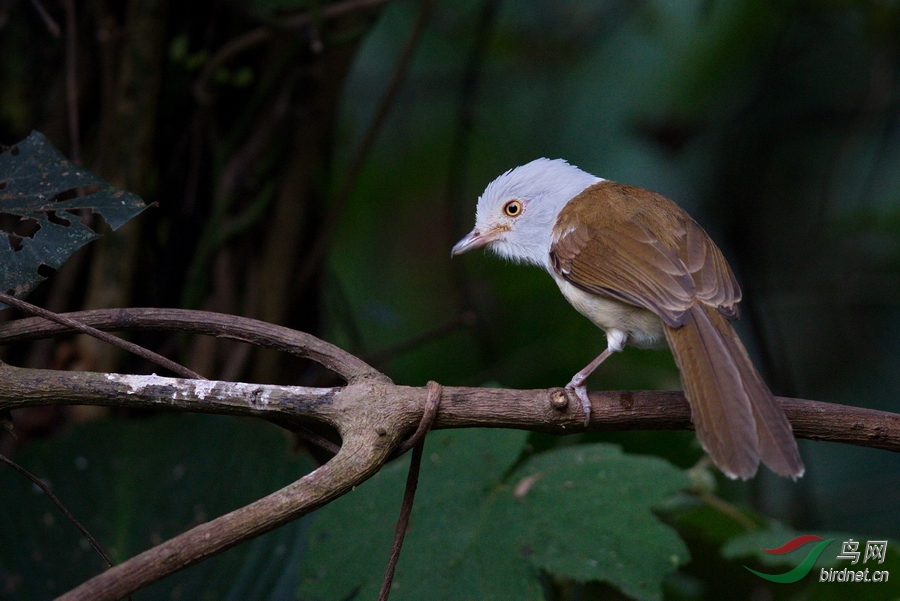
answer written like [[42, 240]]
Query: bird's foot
[[577, 387]]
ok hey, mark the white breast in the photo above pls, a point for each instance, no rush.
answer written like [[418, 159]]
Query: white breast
[[643, 328]]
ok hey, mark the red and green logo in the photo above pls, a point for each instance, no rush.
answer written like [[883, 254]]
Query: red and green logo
[[805, 566]]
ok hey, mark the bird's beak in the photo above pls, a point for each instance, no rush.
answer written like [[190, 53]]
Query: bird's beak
[[474, 239]]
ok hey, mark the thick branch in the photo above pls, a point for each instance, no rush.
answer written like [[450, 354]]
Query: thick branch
[[546, 410], [253, 331], [358, 459], [371, 413], [372, 416], [369, 437], [100, 335]]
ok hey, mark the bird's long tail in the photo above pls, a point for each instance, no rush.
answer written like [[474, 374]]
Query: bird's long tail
[[735, 415]]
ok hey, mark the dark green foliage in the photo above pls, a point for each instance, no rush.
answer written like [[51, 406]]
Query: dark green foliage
[[458, 545], [39, 208], [481, 532], [135, 484], [774, 124], [588, 516]]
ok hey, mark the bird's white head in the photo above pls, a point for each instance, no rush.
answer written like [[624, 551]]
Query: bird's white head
[[517, 211]]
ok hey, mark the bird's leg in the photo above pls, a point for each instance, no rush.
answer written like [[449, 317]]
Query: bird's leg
[[615, 341]]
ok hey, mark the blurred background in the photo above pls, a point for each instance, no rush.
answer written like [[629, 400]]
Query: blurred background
[[312, 163]]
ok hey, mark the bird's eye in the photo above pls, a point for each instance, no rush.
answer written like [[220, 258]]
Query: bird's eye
[[513, 208]]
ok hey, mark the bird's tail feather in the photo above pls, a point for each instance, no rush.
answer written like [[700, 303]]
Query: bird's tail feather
[[735, 415]]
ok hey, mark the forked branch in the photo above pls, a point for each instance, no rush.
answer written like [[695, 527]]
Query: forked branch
[[372, 414]]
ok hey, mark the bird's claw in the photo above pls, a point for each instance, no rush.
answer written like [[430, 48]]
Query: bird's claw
[[580, 391]]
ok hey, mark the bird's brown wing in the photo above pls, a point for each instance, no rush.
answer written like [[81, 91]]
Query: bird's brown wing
[[639, 247]]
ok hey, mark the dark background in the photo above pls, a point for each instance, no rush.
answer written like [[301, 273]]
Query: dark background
[[285, 191]]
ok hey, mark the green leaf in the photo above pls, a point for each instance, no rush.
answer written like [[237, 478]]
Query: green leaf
[[454, 548], [586, 514], [477, 533], [43, 229], [134, 484], [695, 518]]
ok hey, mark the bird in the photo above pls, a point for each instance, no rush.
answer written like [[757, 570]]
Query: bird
[[639, 267]]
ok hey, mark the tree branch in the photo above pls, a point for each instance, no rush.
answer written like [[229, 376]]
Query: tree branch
[[262, 34], [371, 413], [99, 334], [541, 410], [219, 325], [336, 207], [359, 458]]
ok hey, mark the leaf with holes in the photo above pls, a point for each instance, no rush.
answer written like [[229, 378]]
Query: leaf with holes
[[43, 197]]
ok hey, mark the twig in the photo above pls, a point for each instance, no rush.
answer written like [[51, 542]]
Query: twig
[[59, 505], [33, 329], [263, 34], [91, 331], [50, 22], [409, 494], [218, 230], [417, 442], [330, 11], [726, 508], [231, 48], [260, 333], [6, 424], [336, 207], [457, 167], [431, 408], [465, 102], [464, 319], [72, 81]]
